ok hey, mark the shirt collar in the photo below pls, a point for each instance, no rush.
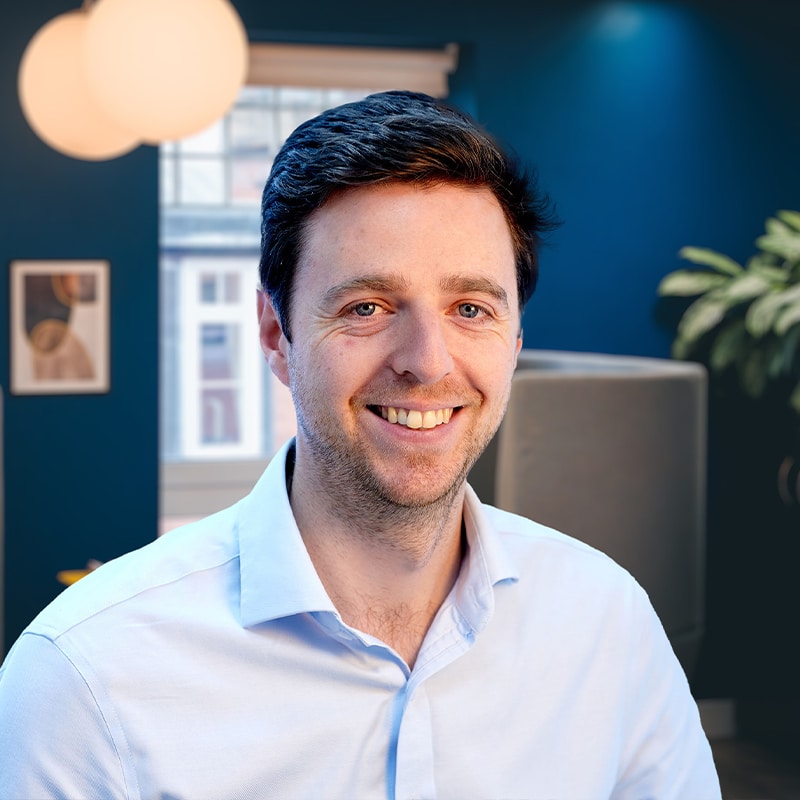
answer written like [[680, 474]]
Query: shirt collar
[[278, 578], [487, 564]]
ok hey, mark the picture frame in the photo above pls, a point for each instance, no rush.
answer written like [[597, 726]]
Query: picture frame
[[60, 323]]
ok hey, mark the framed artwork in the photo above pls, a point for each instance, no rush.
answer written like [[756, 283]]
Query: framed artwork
[[59, 327]]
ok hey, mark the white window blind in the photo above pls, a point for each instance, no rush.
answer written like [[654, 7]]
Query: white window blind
[[352, 67]]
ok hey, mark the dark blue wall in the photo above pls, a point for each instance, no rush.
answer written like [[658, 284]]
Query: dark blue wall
[[80, 471], [651, 125]]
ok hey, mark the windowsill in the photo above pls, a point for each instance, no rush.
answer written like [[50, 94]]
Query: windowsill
[[195, 489]]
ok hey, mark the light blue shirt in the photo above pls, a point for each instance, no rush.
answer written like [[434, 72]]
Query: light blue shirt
[[212, 664]]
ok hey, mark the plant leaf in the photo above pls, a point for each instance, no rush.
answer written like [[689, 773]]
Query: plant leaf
[[789, 346], [753, 373], [785, 245], [711, 258], [727, 345], [746, 286], [790, 218], [763, 312], [789, 316], [766, 260], [681, 348], [773, 225], [775, 275], [685, 283], [701, 316], [775, 360]]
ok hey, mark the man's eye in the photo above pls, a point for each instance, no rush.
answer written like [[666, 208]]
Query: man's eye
[[469, 310], [364, 309]]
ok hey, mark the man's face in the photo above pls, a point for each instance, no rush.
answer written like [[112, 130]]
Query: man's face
[[405, 334]]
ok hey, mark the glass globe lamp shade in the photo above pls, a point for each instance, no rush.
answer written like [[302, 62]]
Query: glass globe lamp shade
[[56, 98], [166, 68]]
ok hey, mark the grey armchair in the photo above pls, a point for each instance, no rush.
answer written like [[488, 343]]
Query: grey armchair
[[612, 450]]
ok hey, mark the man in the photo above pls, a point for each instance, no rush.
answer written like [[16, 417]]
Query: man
[[360, 626]]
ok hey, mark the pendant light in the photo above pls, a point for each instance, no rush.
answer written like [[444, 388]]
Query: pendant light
[[56, 98], [166, 68], [96, 82]]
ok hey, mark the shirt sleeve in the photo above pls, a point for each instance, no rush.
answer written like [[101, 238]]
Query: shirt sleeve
[[666, 755], [55, 740]]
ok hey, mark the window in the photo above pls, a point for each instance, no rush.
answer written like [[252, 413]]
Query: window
[[223, 413]]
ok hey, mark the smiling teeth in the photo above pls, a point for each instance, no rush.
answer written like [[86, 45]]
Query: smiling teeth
[[416, 419]]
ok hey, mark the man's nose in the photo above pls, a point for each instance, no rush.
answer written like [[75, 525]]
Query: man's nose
[[421, 348]]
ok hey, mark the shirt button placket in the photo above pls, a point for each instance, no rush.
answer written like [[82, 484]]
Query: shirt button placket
[[415, 780]]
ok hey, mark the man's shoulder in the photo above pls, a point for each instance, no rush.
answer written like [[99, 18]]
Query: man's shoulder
[[538, 547], [530, 533], [177, 557]]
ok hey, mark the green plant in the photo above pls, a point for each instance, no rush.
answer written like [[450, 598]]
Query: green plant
[[747, 318]]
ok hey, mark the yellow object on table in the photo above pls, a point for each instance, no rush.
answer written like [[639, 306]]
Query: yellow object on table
[[70, 576]]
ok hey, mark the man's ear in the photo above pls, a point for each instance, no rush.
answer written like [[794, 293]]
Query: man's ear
[[273, 343], [519, 347]]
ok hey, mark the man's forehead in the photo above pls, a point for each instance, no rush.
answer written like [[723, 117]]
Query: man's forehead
[[453, 209], [445, 237]]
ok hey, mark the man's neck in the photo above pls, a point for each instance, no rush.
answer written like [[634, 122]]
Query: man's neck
[[387, 575]]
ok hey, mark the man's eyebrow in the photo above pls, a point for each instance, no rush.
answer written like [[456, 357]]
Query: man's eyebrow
[[366, 283], [454, 283], [467, 284]]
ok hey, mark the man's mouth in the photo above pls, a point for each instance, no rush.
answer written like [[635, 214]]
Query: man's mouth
[[413, 418]]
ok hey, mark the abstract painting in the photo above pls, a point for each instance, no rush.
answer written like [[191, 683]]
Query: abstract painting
[[59, 327]]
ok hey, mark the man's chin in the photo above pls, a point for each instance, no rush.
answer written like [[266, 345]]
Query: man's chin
[[417, 486]]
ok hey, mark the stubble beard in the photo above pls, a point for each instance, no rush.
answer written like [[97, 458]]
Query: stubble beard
[[363, 497]]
